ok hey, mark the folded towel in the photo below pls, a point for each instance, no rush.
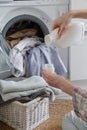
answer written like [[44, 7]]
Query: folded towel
[[31, 83], [13, 89]]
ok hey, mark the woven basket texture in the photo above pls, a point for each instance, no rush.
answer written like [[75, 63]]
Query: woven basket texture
[[25, 116], [57, 110]]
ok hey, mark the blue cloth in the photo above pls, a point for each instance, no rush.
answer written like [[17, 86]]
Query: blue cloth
[[38, 56]]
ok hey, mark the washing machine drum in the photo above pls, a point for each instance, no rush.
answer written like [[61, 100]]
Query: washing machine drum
[[16, 29], [21, 26], [20, 21]]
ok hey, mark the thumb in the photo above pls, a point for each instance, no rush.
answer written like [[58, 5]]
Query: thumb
[[54, 27], [61, 30]]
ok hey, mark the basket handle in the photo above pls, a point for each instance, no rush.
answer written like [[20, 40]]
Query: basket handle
[[38, 103]]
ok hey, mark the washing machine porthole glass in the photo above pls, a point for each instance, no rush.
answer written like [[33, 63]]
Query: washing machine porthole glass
[[14, 30]]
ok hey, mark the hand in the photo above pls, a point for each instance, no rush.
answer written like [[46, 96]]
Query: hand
[[52, 78], [62, 23], [58, 81]]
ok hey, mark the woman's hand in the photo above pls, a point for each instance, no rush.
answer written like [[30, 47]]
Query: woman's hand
[[52, 78], [62, 23], [58, 81]]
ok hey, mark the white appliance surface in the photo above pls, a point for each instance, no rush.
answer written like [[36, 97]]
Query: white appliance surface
[[45, 10], [77, 54]]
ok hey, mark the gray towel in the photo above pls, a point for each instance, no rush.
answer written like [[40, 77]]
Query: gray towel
[[12, 89]]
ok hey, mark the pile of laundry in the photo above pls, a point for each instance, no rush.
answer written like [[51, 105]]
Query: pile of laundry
[[27, 57], [30, 55], [26, 90], [14, 38]]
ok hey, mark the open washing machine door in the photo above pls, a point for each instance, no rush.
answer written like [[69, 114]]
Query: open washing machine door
[[38, 16], [22, 15], [28, 14]]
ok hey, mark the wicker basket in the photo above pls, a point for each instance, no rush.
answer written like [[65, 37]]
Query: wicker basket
[[25, 116]]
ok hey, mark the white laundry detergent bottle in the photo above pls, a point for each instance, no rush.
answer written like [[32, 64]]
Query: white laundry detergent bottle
[[73, 35]]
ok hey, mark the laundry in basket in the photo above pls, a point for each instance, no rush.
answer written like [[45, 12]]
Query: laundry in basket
[[25, 116]]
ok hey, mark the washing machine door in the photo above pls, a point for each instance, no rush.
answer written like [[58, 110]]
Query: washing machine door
[[29, 13], [16, 14], [34, 14], [5, 65]]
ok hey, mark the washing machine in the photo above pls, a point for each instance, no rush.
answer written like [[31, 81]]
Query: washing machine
[[40, 12]]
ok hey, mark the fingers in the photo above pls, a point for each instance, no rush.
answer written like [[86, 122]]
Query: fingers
[[54, 27], [61, 25], [45, 73], [61, 31], [55, 24], [48, 75], [50, 78]]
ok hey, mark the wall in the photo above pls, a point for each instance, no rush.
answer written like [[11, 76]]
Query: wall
[[80, 4]]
